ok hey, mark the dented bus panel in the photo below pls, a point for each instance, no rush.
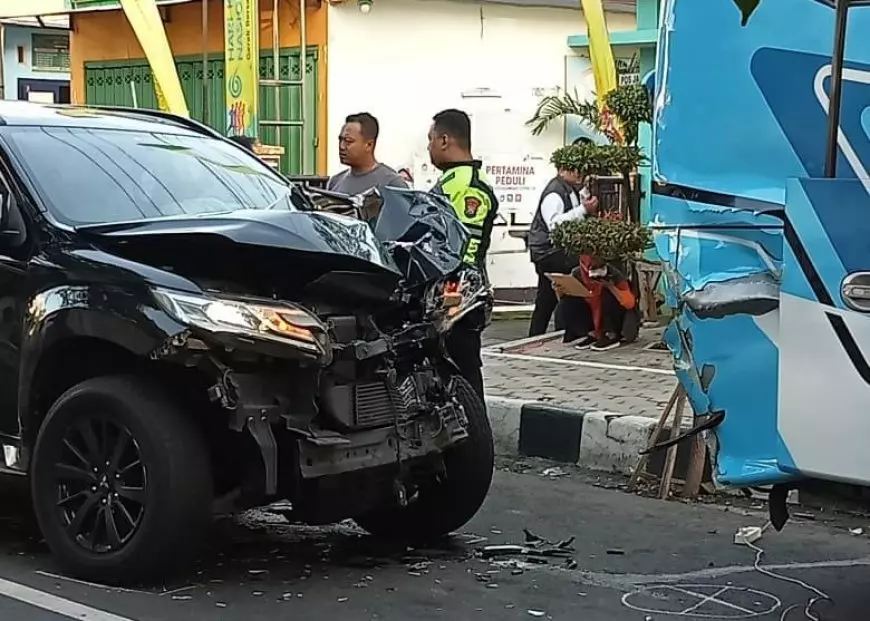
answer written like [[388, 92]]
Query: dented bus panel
[[762, 220]]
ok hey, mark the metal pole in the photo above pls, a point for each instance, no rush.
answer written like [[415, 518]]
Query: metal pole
[[840, 18], [276, 74], [206, 108], [303, 73]]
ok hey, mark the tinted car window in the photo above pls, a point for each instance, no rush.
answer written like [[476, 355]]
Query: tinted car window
[[87, 176]]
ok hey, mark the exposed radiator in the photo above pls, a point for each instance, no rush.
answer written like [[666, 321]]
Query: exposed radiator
[[374, 406]]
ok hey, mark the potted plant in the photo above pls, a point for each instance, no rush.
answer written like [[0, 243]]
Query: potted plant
[[630, 106]]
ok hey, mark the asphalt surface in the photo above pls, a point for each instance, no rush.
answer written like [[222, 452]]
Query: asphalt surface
[[629, 553]]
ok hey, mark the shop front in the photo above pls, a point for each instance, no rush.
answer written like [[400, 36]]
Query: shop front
[[109, 67]]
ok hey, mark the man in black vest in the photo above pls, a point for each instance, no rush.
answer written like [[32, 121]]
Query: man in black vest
[[560, 201]]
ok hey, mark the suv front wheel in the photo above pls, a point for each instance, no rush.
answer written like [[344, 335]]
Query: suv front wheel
[[121, 481]]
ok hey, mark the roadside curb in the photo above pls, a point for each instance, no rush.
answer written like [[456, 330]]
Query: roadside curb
[[512, 311], [594, 439]]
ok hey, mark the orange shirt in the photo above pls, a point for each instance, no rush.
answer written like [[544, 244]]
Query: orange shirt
[[621, 290]]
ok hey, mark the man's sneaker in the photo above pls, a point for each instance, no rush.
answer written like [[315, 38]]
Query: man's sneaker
[[605, 343], [584, 342]]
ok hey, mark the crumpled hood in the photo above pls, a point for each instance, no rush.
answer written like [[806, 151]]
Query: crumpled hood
[[261, 249], [334, 239]]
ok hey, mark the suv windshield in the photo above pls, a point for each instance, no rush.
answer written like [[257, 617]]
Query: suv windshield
[[89, 176]]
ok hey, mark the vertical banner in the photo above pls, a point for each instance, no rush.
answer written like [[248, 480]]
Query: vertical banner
[[242, 70], [603, 65], [144, 18]]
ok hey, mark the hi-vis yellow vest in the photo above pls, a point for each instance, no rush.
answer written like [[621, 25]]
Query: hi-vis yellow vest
[[466, 187]]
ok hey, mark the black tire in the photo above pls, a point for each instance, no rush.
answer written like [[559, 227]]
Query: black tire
[[172, 499], [446, 506]]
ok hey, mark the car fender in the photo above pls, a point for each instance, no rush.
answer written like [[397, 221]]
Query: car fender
[[120, 317]]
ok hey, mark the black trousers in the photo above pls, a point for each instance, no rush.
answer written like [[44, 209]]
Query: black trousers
[[463, 345], [577, 316], [545, 298]]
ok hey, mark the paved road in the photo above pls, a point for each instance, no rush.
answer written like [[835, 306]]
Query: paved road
[[263, 568]]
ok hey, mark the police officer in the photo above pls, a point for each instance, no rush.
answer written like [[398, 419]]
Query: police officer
[[465, 186]]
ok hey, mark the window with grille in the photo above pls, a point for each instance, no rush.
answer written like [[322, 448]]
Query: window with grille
[[50, 52]]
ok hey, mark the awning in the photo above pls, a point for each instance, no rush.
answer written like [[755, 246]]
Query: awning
[[33, 8], [647, 37], [57, 22]]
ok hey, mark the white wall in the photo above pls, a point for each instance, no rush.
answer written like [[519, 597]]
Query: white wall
[[408, 59]]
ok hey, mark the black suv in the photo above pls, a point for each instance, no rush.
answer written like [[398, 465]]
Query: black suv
[[183, 326]]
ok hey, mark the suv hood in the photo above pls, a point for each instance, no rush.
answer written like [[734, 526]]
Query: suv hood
[[266, 248]]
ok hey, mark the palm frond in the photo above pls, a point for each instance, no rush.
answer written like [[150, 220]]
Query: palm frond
[[555, 107]]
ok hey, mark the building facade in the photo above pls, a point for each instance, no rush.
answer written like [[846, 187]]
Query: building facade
[[109, 67], [36, 59]]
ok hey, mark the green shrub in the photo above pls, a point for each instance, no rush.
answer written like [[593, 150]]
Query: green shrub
[[606, 239], [593, 159]]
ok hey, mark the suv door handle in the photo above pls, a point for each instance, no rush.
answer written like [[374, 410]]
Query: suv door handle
[[855, 291]]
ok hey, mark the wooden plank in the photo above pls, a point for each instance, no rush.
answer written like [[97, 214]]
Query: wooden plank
[[671, 459]]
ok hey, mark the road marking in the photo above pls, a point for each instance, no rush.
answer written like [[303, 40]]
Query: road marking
[[706, 598], [52, 603], [718, 607], [623, 581], [577, 363]]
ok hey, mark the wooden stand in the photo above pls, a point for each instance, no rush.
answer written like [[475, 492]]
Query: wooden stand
[[697, 457], [649, 274], [270, 154]]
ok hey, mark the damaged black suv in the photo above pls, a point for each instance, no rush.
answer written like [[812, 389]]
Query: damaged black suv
[[184, 329]]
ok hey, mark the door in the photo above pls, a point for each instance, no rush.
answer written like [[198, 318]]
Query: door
[[14, 295], [129, 83], [824, 391], [44, 91]]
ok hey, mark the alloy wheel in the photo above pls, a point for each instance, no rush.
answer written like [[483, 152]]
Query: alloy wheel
[[101, 484]]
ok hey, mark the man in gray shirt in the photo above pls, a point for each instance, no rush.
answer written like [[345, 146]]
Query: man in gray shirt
[[356, 149]]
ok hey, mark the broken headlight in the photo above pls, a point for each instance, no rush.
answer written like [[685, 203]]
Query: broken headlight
[[284, 323], [451, 299]]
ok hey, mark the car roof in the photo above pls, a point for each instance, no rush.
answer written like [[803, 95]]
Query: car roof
[[24, 114]]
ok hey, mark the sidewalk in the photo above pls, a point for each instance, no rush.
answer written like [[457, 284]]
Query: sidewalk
[[597, 409]]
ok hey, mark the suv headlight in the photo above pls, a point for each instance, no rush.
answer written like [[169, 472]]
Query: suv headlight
[[283, 323]]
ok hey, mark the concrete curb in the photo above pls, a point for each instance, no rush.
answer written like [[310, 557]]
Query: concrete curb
[[512, 311], [598, 440]]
